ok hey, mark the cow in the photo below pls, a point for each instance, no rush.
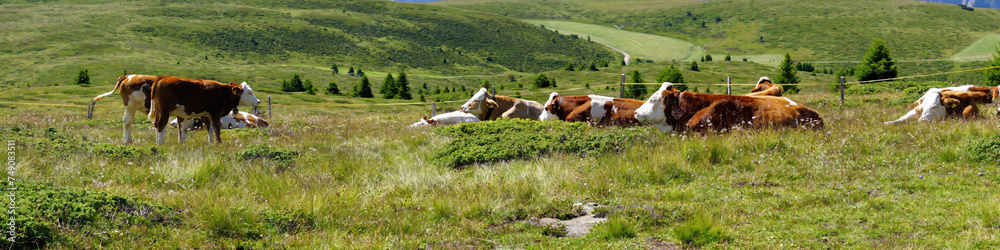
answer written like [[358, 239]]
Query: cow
[[963, 104], [607, 111], [560, 107], [931, 106], [486, 107], [446, 119], [190, 98], [669, 109], [134, 90], [765, 87], [233, 120]]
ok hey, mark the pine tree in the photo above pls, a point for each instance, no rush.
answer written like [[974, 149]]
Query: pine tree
[[552, 82], [708, 58], [486, 84], [569, 67], [359, 72], [350, 71], [437, 90], [541, 81], [636, 91], [877, 63], [593, 66], [332, 89], [365, 89], [672, 75], [335, 69], [728, 58], [787, 75], [993, 75], [694, 66], [388, 89], [82, 77], [308, 86], [425, 86], [403, 87], [422, 99]]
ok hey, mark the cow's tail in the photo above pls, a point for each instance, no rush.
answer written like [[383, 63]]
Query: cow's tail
[[117, 86], [152, 99]]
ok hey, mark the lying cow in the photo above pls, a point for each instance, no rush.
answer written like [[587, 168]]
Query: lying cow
[[446, 119], [230, 121], [669, 109], [931, 106], [765, 87], [610, 111], [191, 98], [135, 96], [486, 107], [567, 108]]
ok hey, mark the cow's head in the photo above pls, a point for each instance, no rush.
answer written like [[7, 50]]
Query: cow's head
[[551, 107], [762, 84], [479, 103], [654, 110], [247, 97]]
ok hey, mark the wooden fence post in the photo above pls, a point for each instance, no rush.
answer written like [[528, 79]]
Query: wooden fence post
[[621, 87], [434, 108], [841, 90], [90, 110], [729, 85], [269, 115]]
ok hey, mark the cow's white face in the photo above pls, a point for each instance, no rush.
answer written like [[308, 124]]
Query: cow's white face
[[550, 105], [476, 105], [653, 111], [930, 107], [248, 98]]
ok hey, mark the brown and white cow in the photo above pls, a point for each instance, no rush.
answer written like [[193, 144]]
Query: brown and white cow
[[190, 98], [931, 106], [560, 107], [765, 87], [962, 104], [486, 107], [609, 111], [134, 90], [669, 109], [234, 120]]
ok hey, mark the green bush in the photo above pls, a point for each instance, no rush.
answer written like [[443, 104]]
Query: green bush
[[263, 151], [44, 213], [700, 231], [56, 144], [511, 139], [986, 150], [555, 230]]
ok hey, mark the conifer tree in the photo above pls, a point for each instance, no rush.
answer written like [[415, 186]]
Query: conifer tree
[[877, 63]]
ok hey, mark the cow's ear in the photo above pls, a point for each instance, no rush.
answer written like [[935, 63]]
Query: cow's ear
[[237, 91], [491, 104]]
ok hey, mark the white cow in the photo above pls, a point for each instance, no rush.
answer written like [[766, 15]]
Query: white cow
[[446, 119]]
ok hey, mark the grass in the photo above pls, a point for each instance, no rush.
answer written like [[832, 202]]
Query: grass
[[638, 45], [981, 50]]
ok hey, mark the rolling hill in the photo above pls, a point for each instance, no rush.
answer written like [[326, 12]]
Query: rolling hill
[[811, 30], [48, 42]]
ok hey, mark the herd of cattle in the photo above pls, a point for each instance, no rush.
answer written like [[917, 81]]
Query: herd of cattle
[[670, 109], [212, 104]]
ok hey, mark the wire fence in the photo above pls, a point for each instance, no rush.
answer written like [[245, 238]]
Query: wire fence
[[621, 85]]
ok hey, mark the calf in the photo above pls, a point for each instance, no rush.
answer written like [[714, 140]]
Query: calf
[[446, 119], [765, 87], [669, 109], [190, 98], [134, 90], [231, 121], [487, 108]]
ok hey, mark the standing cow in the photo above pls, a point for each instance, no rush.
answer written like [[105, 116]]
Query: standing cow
[[486, 107], [190, 98], [135, 96]]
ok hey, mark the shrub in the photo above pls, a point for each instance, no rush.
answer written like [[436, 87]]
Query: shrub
[[985, 150], [506, 139], [332, 89], [82, 78], [700, 231], [555, 230], [263, 151]]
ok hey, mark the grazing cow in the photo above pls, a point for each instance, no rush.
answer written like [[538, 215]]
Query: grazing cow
[[608, 111], [230, 121], [190, 98], [135, 96], [931, 106], [669, 109], [765, 87], [487, 108], [446, 119]]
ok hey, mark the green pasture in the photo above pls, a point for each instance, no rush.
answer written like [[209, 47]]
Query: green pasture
[[638, 45], [981, 50]]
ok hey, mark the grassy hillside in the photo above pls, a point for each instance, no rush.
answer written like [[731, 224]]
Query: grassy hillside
[[811, 30], [231, 40]]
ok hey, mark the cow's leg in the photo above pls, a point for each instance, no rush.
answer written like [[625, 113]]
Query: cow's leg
[[160, 124], [580, 114], [216, 128], [127, 121], [913, 114], [181, 130], [211, 129], [519, 110], [972, 111]]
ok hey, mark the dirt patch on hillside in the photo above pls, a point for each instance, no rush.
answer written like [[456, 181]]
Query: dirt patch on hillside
[[578, 226]]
